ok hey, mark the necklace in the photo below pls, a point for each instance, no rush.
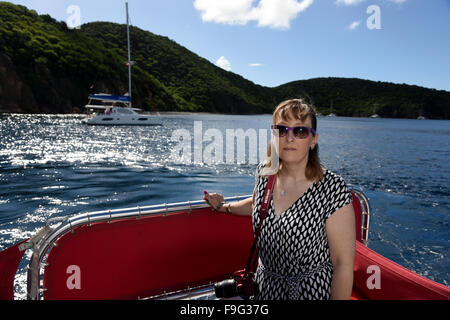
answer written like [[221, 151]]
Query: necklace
[[283, 190]]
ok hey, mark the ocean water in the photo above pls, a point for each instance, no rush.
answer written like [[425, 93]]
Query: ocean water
[[55, 166]]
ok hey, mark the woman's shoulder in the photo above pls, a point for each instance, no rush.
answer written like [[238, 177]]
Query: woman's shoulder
[[337, 192], [261, 165], [260, 169], [263, 172], [331, 178]]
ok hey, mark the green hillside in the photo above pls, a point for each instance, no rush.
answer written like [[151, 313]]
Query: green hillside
[[361, 98], [47, 68]]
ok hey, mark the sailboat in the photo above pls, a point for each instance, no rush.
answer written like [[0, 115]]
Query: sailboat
[[117, 110], [374, 113], [331, 114]]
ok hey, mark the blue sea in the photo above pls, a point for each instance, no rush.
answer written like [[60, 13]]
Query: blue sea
[[55, 166]]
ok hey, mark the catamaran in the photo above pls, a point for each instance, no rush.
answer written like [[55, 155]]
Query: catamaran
[[117, 110]]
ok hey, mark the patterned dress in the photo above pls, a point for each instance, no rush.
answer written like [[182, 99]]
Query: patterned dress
[[294, 257]]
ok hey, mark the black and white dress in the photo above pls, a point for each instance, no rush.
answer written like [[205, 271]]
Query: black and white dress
[[294, 257]]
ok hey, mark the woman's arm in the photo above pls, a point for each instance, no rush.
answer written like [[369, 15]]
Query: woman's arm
[[241, 208], [340, 228]]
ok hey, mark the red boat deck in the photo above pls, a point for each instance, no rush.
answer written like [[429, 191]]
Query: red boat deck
[[135, 258]]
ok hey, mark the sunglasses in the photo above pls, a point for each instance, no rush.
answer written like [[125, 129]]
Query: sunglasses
[[299, 132]]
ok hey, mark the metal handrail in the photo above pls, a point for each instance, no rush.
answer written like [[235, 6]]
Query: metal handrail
[[365, 214], [47, 240], [188, 293]]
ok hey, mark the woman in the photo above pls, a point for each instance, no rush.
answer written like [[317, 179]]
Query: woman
[[307, 242]]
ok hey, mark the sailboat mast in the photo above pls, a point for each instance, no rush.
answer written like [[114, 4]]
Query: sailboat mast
[[129, 54]]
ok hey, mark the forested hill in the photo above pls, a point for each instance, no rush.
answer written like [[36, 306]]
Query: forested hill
[[362, 98], [47, 68]]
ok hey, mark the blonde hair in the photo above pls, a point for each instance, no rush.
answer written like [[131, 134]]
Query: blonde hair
[[298, 109]]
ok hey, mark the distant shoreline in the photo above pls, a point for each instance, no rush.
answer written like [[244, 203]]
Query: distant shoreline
[[182, 113]]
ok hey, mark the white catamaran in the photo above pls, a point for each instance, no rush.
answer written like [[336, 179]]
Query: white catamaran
[[117, 110]]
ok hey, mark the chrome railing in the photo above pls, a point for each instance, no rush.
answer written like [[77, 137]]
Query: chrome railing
[[365, 215], [42, 244]]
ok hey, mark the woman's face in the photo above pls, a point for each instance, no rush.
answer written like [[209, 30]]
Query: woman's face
[[292, 149]]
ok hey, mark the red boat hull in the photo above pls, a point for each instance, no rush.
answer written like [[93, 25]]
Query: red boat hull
[[133, 258], [9, 262], [140, 258], [378, 278]]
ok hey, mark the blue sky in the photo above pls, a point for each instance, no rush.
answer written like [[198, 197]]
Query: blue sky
[[272, 42]]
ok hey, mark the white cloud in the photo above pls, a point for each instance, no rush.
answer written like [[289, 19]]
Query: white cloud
[[255, 64], [354, 25], [348, 2], [228, 11], [355, 2], [276, 14], [224, 63]]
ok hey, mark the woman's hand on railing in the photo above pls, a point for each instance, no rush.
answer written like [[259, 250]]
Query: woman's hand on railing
[[215, 200]]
